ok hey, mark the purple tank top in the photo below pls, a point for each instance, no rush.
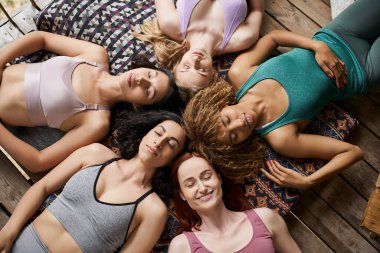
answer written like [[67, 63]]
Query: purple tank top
[[235, 11], [49, 95], [261, 241]]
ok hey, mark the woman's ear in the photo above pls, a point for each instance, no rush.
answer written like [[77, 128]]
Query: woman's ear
[[182, 197]]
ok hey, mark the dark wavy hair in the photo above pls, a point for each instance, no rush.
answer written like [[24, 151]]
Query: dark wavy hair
[[233, 197], [172, 101], [131, 127]]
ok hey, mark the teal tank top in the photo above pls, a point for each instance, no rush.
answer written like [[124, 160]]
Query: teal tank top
[[308, 87]]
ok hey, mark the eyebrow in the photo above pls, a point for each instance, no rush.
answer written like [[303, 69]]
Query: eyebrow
[[172, 137]]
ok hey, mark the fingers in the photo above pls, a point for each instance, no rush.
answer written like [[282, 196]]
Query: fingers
[[340, 72]]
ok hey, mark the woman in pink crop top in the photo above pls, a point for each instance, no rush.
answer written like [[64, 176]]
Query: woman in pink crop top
[[214, 214], [186, 35], [72, 92]]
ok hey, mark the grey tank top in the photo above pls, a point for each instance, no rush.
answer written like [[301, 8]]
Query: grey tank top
[[96, 226]]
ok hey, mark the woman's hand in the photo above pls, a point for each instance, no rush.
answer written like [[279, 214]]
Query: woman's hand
[[5, 242], [284, 177], [330, 64]]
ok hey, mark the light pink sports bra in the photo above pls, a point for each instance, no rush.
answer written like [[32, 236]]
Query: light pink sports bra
[[235, 11], [49, 94], [261, 241]]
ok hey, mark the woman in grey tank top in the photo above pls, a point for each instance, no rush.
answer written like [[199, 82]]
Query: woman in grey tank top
[[102, 207], [73, 92]]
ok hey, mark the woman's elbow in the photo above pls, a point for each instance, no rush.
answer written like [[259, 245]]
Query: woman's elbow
[[39, 163], [357, 152]]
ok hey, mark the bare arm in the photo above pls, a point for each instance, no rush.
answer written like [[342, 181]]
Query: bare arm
[[283, 242], [61, 45], [50, 183], [245, 63], [340, 155], [179, 244], [37, 161], [167, 17], [149, 230], [247, 33]]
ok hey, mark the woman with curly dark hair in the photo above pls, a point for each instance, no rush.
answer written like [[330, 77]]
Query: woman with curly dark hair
[[277, 98], [73, 92], [107, 203]]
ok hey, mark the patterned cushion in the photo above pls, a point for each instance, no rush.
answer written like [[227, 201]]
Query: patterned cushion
[[109, 23]]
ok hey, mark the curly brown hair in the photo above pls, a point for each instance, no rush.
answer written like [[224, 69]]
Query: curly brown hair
[[168, 52], [201, 117]]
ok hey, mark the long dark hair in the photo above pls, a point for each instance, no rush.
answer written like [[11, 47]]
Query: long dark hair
[[172, 101], [233, 198], [132, 126]]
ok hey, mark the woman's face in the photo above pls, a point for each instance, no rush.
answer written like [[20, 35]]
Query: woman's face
[[161, 144], [200, 185], [236, 124], [144, 86], [195, 70]]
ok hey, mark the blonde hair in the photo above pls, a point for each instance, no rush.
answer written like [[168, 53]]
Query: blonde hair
[[201, 117], [168, 52]]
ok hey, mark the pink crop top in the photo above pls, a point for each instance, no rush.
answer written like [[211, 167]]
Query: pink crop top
[[261, 241], [49, 95], [235, 11]]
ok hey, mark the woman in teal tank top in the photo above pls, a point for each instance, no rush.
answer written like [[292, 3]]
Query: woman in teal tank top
[[278, 98]]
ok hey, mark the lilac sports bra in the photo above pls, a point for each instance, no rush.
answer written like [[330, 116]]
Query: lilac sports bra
[[49, 95], [235, 11]]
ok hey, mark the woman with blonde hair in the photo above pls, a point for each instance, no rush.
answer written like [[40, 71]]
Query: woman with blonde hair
[[73, 92], [186, 35], [278, 98]]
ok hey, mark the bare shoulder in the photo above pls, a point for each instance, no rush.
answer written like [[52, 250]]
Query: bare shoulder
[[270, 218], [153, 207], [280, 137], [96, 153], [179, 244]]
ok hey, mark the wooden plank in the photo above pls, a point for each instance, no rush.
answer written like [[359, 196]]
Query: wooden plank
[[270, 24], [12, 184], [369, 143], [329, 226], [361, 177], [3, 217], [327, 2], [304, 237], [291, 17], [316, 10], [365, 110], [343, 199]]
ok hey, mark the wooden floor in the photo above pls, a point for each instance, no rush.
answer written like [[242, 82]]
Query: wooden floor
[[328, 217]]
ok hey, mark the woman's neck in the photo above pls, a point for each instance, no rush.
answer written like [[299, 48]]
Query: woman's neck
[[137, 172], [218, 220], [206, 41], [108, 89]]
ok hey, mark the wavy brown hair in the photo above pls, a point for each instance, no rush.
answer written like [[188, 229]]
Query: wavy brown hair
[[201, 117], [168, 52], [233, 197]]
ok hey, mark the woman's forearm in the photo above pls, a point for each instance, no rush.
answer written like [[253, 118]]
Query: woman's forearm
[[25, 209], [24, 153], [334, 166], [289, 39], [30, 43]]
